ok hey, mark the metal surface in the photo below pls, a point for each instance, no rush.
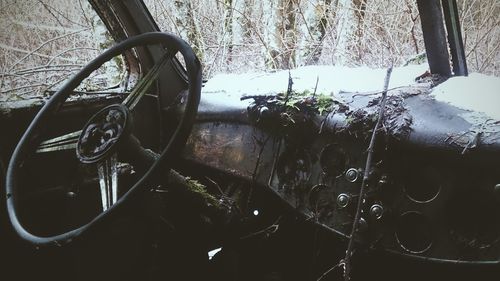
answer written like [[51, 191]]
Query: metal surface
[[455, 41], [235, 148], [419, 168], [352, 175], [108, 181], [145, 83], [434, 33], [343, 200], [377, 211], [64, 142], [102, 133]]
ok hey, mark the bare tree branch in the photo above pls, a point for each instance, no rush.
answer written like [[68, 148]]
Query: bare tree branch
[[45, 43]]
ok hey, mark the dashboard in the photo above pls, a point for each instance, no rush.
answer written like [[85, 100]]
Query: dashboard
[[427, 197]]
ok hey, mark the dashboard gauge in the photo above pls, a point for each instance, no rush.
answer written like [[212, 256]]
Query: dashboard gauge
[[333, 160]]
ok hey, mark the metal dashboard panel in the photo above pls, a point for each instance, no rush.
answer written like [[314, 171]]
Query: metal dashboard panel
[[435, 187], [235, 148]]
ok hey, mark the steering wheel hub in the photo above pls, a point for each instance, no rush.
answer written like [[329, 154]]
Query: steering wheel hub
[[103, 133]]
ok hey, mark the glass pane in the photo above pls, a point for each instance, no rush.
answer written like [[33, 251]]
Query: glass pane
[[42, 43]]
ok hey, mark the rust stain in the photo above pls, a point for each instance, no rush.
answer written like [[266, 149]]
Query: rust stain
[[220, 148]]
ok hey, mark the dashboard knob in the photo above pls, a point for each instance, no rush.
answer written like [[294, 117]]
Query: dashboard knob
[[343, 200], [352, 175], [376, 211]]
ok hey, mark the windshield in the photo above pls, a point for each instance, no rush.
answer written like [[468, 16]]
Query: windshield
[[44, 42], [241, 36]]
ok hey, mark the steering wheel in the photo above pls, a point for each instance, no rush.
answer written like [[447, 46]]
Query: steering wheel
[[105, 134]]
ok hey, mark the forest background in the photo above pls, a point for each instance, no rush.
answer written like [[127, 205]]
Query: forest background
[[42, 42]]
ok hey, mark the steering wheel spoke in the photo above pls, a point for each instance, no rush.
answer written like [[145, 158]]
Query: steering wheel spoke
[[64, 142], [107, 171], [145, 83]]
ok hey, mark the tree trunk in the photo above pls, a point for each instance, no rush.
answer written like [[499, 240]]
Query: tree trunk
[[186, 20], [228, 29], [320, 25], [359, 13], [286, 33]]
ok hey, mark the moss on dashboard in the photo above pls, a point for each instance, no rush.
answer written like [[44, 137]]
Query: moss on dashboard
[[199, 190], [290, 111], [306, 102]]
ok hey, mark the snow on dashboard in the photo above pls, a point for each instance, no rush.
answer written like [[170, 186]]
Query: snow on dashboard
[[331, 79], [477, 92]]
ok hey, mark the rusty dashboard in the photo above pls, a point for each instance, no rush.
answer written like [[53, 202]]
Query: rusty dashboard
[[434, 192]]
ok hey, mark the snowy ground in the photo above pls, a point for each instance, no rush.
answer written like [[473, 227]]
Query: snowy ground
[[476, 92]]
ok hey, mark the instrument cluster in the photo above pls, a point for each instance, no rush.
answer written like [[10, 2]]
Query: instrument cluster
[[423, 204]]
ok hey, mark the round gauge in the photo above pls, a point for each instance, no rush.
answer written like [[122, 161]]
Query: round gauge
[[472, 214], [423, 186], [320, 196], [333, 160], [294, 167], [414, 232]]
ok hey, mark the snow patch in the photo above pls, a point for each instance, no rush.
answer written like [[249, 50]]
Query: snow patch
[[332, 80], [477, 92]]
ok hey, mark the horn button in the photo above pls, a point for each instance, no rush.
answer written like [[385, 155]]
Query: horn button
[[103, 133]]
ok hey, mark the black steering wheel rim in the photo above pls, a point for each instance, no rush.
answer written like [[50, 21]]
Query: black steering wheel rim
[[29, 140]]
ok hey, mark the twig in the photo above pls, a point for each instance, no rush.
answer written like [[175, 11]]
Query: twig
[[374, 93], [330, 270], [57, 82], [57, 56], [222, 42], [34, 25], [305, 22], [472, 143], [43, 44], [44, 68], [316, 86], [366, 178], [264, 44], [50, 8], [50, 12], [14, 49], [289, 88], [328, 27], [487, 59], [87, 20], [266, 231], [254, 173], [23, 87], [217, 186]]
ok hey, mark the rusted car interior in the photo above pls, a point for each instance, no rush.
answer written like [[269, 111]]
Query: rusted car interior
[[142, 184]]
